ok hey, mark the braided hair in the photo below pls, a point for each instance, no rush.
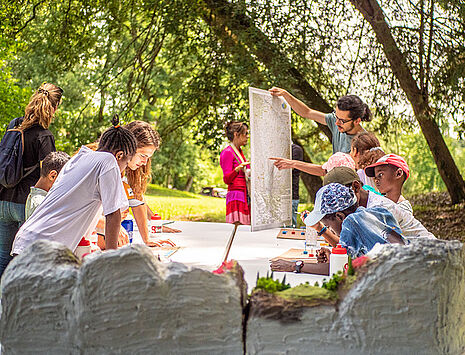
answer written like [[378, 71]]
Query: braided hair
[[117, 138]]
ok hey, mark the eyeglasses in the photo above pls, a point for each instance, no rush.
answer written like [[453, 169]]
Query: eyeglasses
[[340, 119]]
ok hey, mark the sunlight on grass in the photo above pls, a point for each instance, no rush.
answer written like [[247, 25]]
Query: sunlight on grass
[[185, 206]]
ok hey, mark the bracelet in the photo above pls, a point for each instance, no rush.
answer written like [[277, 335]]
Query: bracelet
[[320, 233]]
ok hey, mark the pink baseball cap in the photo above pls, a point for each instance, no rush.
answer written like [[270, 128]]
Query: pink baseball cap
[[339, 159], [392, 159]]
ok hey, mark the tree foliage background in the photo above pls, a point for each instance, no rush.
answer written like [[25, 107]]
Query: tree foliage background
[[162, 62]]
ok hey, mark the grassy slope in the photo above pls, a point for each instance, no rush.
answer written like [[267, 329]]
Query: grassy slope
[[181, 205]]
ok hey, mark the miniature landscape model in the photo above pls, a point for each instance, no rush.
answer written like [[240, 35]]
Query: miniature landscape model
[[405, 300]]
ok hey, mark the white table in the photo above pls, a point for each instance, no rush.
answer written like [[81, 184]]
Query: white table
[[203, 245]]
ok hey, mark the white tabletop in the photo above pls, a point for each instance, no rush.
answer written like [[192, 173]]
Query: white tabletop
[[203, 245]]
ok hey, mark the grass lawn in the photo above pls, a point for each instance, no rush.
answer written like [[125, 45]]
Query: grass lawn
[[185, 206]]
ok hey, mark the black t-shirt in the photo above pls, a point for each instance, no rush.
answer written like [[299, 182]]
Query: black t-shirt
[[38, 142], [297, 154]]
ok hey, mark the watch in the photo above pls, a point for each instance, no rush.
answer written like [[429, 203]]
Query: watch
[[298, 266]]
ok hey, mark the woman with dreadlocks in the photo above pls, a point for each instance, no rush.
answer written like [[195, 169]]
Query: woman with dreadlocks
[[38, 142], [88, 185]]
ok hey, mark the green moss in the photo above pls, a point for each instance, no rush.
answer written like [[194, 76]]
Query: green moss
[[269, 285], [308, 293]]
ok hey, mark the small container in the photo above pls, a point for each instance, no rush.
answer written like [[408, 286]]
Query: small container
[[311, 237], [155, 223], [128, 224], [338, 260], [82, 248]]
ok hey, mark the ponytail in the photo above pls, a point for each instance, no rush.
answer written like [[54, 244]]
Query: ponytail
[[356, 107], [42, 106]]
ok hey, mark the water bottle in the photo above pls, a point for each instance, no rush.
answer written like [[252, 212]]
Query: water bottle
[[155, 224], [338, 260], [311, 237], [128, 224]]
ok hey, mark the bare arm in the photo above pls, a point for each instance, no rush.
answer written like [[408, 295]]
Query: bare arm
[[149, 212], [309, 168], [289, 266], [298, 106], [329, 236], [112, 228], [140, 215]]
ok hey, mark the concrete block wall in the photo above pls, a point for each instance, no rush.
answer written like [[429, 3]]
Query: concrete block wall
[[409, 300]]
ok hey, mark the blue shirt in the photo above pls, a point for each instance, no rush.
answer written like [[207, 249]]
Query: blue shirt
[[341, 141], [365, 227]]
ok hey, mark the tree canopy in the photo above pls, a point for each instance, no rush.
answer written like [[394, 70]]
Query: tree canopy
[[185, 66]]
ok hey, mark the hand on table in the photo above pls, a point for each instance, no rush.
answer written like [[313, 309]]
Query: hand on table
[[123, 237], [282, 163], [322, 255], [282, 265], [166, 229]]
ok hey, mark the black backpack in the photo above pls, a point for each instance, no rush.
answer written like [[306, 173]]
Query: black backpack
[[11, 156]]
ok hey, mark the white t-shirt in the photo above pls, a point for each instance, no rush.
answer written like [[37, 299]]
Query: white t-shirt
[[365, 179], [405, 205], [410, 226], [88, 183]]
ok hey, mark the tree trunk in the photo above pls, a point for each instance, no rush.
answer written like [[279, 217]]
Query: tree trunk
[[447, 168], [229, 20], [236, 30], [190, 181], [311, 182]]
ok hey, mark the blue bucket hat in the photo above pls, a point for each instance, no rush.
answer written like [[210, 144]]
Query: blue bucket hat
[[330, 199]]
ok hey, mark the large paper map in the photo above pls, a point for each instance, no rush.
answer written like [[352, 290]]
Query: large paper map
[[270, 136]]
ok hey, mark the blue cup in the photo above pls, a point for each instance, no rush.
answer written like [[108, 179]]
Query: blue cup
[[128, 224]]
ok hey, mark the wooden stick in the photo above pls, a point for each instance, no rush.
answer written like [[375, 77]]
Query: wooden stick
[[228, 246]]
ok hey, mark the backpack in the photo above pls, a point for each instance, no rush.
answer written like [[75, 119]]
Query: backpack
[[11, 156]]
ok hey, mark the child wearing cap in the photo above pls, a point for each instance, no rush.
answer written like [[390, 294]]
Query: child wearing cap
[[390, 173], [411, 227], [359, 228]]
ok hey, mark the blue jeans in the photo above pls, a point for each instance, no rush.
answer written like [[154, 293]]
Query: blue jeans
[[12, 216], [295, 206]]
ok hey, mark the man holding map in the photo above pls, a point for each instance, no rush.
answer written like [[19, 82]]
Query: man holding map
[[344, 122]]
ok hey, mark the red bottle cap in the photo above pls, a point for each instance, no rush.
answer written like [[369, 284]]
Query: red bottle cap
[[84, 243], [156, 217], [339, 250]]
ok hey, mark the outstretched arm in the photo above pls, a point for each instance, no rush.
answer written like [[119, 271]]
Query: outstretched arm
[[298, 106], [309, 168]]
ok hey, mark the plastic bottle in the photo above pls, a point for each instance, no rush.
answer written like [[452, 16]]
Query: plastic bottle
[[128, 224], [311, 237], [338, 260], [155, 223], [82, 248]]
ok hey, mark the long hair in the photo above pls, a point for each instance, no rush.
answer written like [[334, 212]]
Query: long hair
[[145, 136], [42, 106], [367, 146]]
